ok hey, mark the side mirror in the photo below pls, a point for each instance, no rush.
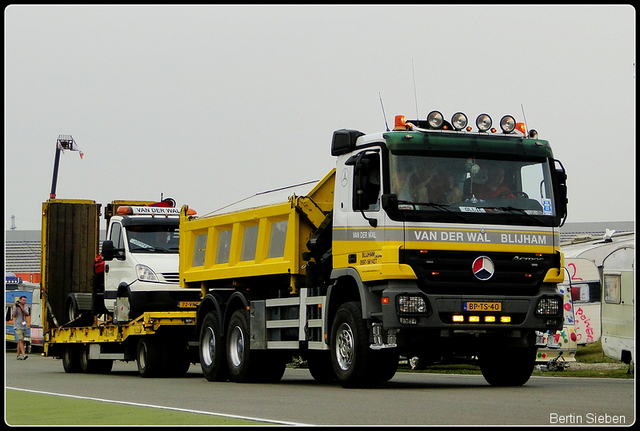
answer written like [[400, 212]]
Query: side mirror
[[107, 250], [366, 182], [561, 191]]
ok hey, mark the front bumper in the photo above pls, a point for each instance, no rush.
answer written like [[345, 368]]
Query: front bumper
[[405, 306]]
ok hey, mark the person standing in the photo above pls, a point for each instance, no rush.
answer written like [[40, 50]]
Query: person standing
[[20, 314]]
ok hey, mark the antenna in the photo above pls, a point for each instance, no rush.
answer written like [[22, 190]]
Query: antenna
[[415, 95], [525, 119], [383, 114]]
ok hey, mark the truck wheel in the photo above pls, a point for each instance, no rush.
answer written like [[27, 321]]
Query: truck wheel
[[320, 366], [384, 364], [212, 351], [93, 366], [350, 354], [148, 358], [71, 359], [515, 371], [243, 363]]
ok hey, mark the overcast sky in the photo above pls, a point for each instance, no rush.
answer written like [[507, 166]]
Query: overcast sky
[[211, 104]]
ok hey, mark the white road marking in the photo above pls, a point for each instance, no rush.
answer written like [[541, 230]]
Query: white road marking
[[162, 407]]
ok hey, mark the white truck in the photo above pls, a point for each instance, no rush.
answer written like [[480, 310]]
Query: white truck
[[141, 262], [138, 266]]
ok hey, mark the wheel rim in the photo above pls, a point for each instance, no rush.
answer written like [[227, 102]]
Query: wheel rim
[[236, 343], [345, 347], [208, 346], [71, 313], [84, 358], [142, 356]]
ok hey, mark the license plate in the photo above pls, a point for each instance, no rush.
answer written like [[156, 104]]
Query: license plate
[[482, 306], [188, 304]]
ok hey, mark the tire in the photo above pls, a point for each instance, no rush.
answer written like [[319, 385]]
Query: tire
[[384, 365], [350, 354], [243, 363], [93, 366], [70, 311], [71, 359], [515, 371], [320, 367], [213, 359], [176, 359], [148, 357]]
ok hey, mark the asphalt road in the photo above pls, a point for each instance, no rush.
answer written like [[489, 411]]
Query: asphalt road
[[408, 399]]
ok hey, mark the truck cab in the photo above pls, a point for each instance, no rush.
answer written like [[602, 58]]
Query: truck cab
[[141, 262], [456, 231]]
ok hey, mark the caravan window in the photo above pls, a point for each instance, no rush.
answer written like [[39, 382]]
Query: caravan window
[[612, 288]]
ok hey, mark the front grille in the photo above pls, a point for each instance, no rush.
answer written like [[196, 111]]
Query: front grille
[[451, 272], [171, 277]]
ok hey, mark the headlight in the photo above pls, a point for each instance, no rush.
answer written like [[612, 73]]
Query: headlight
[[508, 124], [483, 122], [146, 274], [435, 119], [459, 121], [548, 307], [411, 304]]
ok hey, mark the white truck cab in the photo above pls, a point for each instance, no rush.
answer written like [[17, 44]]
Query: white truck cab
[[141, 262]]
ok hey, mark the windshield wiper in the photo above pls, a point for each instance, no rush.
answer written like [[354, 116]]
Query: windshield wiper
[[518, 210], [150, 249], [439, 206]]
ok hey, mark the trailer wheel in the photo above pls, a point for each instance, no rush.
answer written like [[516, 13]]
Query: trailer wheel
[[93, 366], [243, 363], [71, 359], [350, 354], [176, 360], [514, 372], [213, 360], [148, 358]]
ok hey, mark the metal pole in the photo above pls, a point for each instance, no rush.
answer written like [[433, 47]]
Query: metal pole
[[52, 195]]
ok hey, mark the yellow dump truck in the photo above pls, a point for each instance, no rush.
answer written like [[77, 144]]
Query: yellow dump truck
[[433, 240]]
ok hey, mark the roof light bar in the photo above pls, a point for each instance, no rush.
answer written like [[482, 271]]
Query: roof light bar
[[508, 124], [483, 122], [400, 123], [459, 121], [435, 119]]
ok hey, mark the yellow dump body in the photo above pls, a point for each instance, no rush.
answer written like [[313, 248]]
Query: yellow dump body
[[227, 250]]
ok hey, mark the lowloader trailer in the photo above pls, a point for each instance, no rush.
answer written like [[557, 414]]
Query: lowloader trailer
[[121, 301], [432, 241]]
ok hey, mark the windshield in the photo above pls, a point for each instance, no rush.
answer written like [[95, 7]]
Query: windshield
[[468, 184], [153, 238]]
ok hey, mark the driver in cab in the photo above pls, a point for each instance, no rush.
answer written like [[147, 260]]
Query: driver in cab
[[494, 187]]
